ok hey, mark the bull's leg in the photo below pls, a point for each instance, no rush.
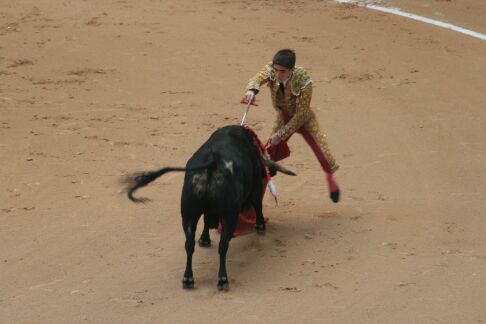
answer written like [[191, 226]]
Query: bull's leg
[[189, 223], [260, 227], [205, 239], [228, 228]]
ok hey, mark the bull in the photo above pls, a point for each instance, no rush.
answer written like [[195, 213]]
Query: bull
[[223, 178]]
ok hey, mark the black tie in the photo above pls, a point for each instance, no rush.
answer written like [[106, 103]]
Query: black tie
[[281, 87]]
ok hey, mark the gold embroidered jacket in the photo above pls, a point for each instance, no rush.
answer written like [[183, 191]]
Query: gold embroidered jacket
[[295, 100]]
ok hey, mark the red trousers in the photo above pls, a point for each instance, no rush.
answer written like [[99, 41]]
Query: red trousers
[[311, 141]]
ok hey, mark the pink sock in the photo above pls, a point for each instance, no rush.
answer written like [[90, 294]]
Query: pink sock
[[331, 183]]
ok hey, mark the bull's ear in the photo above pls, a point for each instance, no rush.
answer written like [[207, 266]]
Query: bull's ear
[[281, 168]]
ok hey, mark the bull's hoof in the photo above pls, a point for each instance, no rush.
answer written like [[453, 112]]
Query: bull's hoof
[[335, 195], [188, 283], [260, 228], [204, 243], [223, 284]]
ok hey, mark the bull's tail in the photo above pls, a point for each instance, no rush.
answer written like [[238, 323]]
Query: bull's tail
[[141, 179]]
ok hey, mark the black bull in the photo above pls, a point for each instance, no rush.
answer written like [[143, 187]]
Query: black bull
[[223, 178]]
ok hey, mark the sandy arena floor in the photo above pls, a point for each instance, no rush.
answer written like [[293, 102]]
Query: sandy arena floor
[[91, 90]]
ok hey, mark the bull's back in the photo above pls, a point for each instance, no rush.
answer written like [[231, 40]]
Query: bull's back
[[236, 166], [229, 143]]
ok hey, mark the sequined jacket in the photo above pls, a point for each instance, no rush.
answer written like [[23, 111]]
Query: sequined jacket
[[295, 100]]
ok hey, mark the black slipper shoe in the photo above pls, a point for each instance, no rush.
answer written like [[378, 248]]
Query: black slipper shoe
[[334, 195]]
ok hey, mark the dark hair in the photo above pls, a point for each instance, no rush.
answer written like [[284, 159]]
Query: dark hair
[[285, 57]]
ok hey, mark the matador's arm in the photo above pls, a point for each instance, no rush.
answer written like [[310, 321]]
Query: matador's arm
[[260, 78]]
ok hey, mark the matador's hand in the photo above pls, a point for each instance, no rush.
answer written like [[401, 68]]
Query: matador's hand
[[274, 140], [249, 97]]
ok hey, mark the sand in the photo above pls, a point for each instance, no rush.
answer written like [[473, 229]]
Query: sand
[[90, 91]]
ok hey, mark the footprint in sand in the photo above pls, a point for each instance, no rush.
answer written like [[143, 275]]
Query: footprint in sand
[[21, 62], [94, 22], [87, 71], [354, 78], [304, 39]]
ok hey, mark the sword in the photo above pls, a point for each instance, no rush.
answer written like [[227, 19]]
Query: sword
[[248, 104], [246, 113]]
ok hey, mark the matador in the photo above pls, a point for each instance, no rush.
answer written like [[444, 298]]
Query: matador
[[291, 92]]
